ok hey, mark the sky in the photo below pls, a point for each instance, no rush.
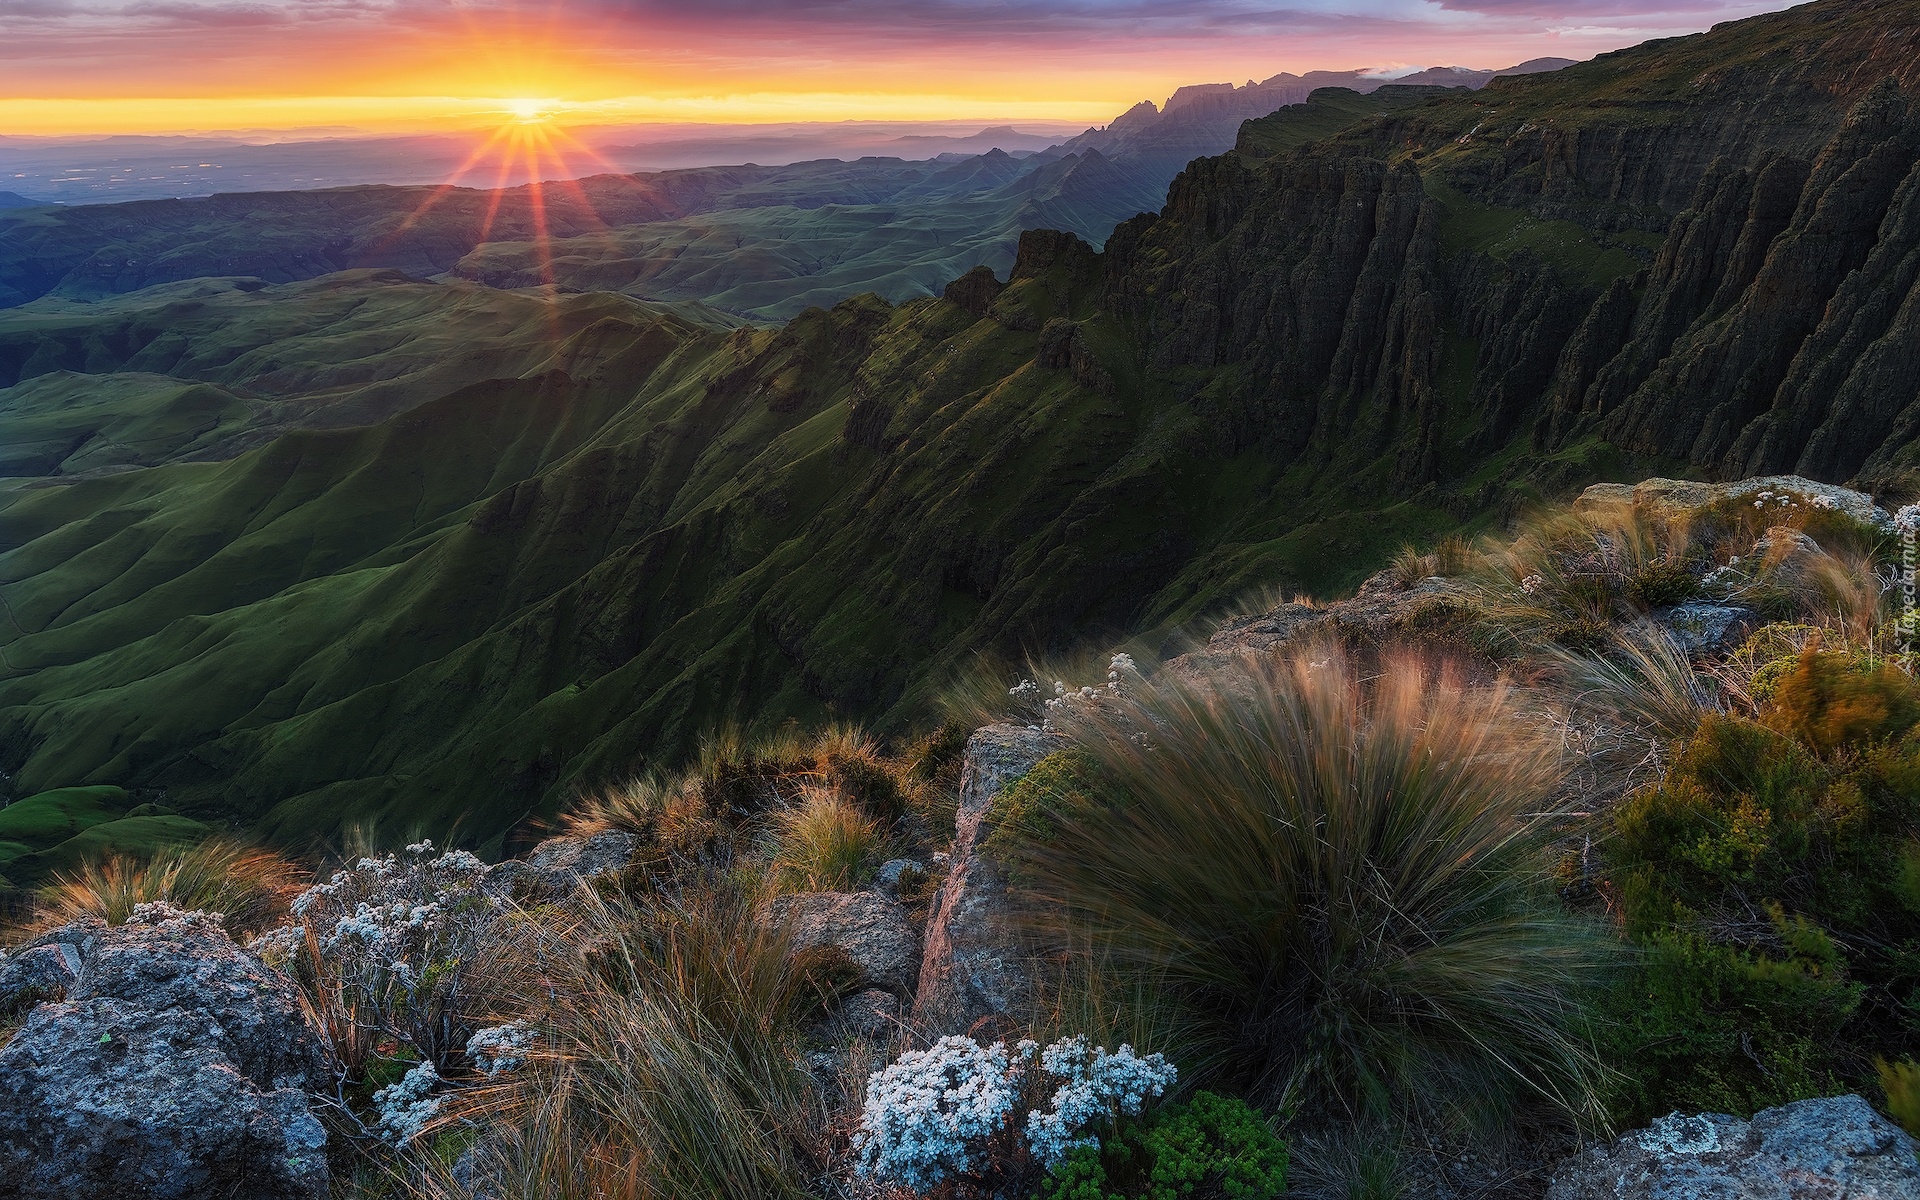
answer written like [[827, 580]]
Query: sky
[[153, 66]]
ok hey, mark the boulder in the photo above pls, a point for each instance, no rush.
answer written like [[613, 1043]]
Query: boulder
[[1699, 628], [1832, 1149], [872, 1015], [557, 865], [177, 1066], [871, 929], [972, 968]]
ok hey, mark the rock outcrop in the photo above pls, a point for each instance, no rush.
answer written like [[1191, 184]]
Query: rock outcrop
[[1834, 1149], [176, 1068], [972, 969]]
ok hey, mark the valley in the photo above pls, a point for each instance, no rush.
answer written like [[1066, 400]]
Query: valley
[[318, 567]]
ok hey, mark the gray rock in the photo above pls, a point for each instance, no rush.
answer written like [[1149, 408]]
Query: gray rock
[[176, 1067], [886, 880], [972, 968], [872, 1015], [1677, 497], [1832, 1149], [872, 930], [557, 865], [37, 973], [1699, 628]]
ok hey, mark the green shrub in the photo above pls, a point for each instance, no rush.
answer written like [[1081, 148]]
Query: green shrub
[[1211, 1146], [1708, 1028], [1831, 700], [1900, 1083], [1659, 584], [1772, 879], [1344, 884]]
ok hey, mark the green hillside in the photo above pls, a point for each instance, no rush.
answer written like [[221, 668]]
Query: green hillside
[[578, 531]]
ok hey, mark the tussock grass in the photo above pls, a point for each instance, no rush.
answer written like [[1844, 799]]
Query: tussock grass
[[249, 886], [1643, 682], [670, 1067], [824, 844], [1342, 881]]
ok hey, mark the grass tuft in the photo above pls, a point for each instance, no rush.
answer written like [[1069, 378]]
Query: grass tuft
[[1344, 882], [249, 886]]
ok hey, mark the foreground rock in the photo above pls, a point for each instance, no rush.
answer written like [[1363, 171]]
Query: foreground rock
[[872, 930], [176, 1067], [1836, 1149], [971, 970], [557, 866]]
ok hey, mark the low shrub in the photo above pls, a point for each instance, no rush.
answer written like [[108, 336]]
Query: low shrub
[[1659, 584], [1772, 880], [385, 952], [1343, 883], [994, 1117], [1900, 1084], [1210, 1146]]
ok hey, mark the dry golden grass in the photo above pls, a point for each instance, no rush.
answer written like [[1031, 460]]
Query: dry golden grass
[[670, 1066], [249, 886]]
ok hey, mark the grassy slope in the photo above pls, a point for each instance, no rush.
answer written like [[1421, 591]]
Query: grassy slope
[[468, 611]]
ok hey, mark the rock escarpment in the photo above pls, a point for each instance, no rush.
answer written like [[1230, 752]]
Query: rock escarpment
[[972, 968], [175, 1067]]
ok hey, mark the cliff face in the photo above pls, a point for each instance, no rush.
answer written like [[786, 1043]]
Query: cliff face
[[1702, 250]]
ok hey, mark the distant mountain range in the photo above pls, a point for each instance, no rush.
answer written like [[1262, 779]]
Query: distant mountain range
[[762, 242], [1196, 120]]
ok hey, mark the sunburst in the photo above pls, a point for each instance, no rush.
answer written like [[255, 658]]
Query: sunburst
[[530, 143]]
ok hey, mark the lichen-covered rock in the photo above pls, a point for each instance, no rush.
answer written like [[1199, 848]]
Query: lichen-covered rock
[[972, 967], [557, 865], [1832, 1149], [871, 929], [37, 972], [1678, 497], [177, 1066], [1700, 628]]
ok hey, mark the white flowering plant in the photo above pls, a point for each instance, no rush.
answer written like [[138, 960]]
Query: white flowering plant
[[1042, 707], [990, 1116], [386, 948]]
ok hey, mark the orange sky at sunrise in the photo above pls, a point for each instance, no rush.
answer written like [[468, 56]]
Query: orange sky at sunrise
[[148, 66]]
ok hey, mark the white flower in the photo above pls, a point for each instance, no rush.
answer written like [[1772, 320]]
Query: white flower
[[500, 1047], [929, 1116], [406, 1107], [1099, 1088], [926, 1116], [1532, 584]]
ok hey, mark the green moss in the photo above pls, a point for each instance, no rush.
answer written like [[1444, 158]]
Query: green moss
[[1027, 812]]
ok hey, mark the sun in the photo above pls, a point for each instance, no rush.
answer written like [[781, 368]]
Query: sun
[[529, 110]]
